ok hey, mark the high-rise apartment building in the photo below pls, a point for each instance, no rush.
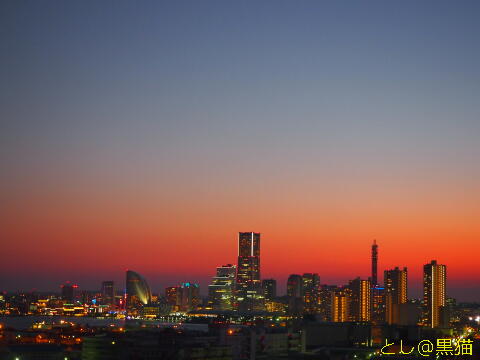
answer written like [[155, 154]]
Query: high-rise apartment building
[[340, 302], [434, 293], [360, 300], [396, 287], [310, 292], [325, 297]]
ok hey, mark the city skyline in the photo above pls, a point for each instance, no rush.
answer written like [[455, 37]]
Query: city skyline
[[239, 291], [232, 180], [247, 246], [144, 135]]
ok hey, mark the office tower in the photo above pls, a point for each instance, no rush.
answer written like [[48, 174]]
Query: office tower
[[269, 289], [221, 290], [108, 292], [68, 291], [434, 293], [374, 263], [340, 305], [360, 300], [395, 293], [294, 286], [310, 289], [249, 295], [171, 296], [188, 296], [137, 292]]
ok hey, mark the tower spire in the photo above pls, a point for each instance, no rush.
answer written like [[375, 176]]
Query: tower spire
[[374, 262]]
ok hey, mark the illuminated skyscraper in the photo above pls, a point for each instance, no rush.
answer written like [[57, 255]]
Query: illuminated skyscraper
[[396, 288], [374, 263], [171, 296], [248, 285], [360, 300], [310, 292], [108, 292], [269, 289], [220, 291], [340, 305], [434, 293], [326, 293], [137, 292]]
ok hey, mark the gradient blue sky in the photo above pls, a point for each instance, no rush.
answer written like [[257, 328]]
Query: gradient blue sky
[[175, 124]]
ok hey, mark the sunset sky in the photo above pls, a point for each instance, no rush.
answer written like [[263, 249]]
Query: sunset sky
[[146, 134]]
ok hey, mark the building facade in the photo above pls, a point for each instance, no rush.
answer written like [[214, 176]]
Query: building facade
[[434, 293], [325, 297], [171, 297], [340, 302], [249, 296], [269, 289], [378, 305], [294, 286], [188, 296], [396, 293], [310, 292], [221, 290], [360, 300]]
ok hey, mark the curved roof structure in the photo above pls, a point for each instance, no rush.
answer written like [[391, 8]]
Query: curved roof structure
[[138, 287]]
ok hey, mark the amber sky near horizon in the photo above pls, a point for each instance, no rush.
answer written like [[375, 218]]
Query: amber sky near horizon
[[146, 134]]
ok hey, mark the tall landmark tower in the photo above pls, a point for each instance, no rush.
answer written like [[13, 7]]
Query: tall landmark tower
[[248, 285], [374, 263]]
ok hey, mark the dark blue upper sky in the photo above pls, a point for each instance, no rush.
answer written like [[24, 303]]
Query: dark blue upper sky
[[179, 67]]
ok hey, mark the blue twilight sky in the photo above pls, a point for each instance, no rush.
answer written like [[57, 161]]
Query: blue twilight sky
[[186, 103]]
